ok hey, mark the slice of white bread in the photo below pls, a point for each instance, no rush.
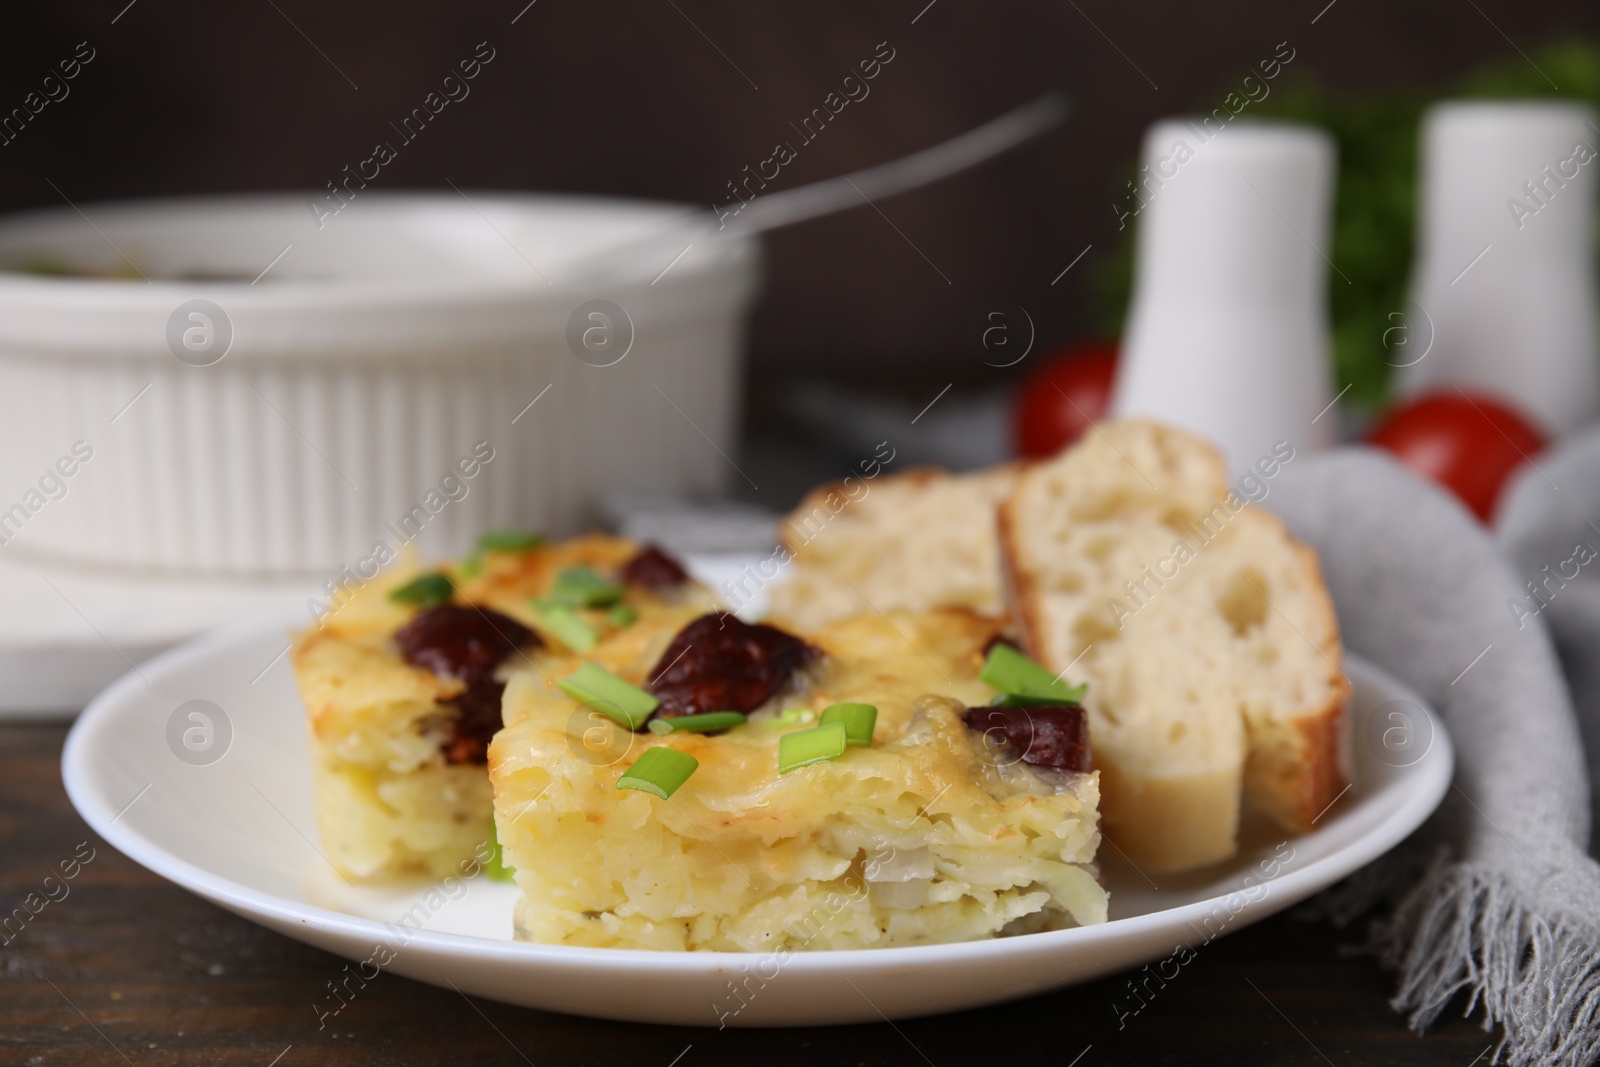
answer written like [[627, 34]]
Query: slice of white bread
[[1204, 631], [909, 542]]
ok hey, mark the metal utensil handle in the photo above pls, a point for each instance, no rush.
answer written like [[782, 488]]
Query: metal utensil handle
[[833, 195]]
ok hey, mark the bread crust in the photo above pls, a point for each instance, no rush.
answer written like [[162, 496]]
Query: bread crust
[[915, 539], [1017, 590], [1326, 773], [1322, 765], [1294, 765], [818, 496], [1176, 823]]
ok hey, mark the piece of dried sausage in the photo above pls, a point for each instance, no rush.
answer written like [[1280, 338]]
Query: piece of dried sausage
[[721, 663], [654, 569], [1045, 735], [466, 643]]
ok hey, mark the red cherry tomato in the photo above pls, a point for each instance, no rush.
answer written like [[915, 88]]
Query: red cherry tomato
[[1470, 443], [1062, 396]]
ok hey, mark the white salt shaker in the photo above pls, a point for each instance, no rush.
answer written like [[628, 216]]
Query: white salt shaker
[[1504, 278], [1228, 331]]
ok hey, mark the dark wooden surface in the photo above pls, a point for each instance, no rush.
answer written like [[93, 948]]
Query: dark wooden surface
[[127, 968]]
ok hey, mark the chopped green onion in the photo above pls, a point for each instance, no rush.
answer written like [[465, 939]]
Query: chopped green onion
[[858, 720], [495, 866], [659, 772], [563, 624], [1015, 675], [621, 615], [428, 591], [805, 747], [581, 587], [598, 688], [472, 566], [509, 540], [698, 724]]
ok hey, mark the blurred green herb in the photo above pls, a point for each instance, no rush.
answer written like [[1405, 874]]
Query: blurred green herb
[[1374, 215], [583, 587], [428, 591], [509, 540]]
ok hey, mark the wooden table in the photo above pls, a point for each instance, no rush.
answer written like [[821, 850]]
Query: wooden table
[[127, 968]]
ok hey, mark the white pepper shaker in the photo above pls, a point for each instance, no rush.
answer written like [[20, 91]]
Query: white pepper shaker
[[1504, 276], [1228, 330]]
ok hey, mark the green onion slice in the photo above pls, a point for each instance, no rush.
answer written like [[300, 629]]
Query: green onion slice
[[598, 688], [858, 720], [659, 772], [805, 747], [582, 587], [621, 615], [472, 566], [428, 591], [790, 716], [1017, 676], [509, 540], [698, 724], [563, 624], [495, 866]]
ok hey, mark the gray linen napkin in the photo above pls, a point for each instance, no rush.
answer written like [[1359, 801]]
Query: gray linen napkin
[[1549, 526], [1495, 897]]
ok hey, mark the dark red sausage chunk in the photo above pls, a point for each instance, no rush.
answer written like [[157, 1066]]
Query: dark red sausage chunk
[[654, 569], [468, 644], [1051, 735], [718, 663]]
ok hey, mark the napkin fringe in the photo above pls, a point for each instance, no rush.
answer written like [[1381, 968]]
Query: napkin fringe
[[1455, 928]]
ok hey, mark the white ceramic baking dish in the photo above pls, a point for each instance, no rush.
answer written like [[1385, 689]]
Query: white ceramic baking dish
[[371, 387]]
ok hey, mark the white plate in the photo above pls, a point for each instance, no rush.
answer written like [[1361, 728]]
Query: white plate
[[240, 832]]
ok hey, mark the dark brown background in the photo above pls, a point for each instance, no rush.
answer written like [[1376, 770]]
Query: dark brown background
[[630, 98]]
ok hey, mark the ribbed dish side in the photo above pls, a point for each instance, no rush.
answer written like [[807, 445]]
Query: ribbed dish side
[[301, 467]]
